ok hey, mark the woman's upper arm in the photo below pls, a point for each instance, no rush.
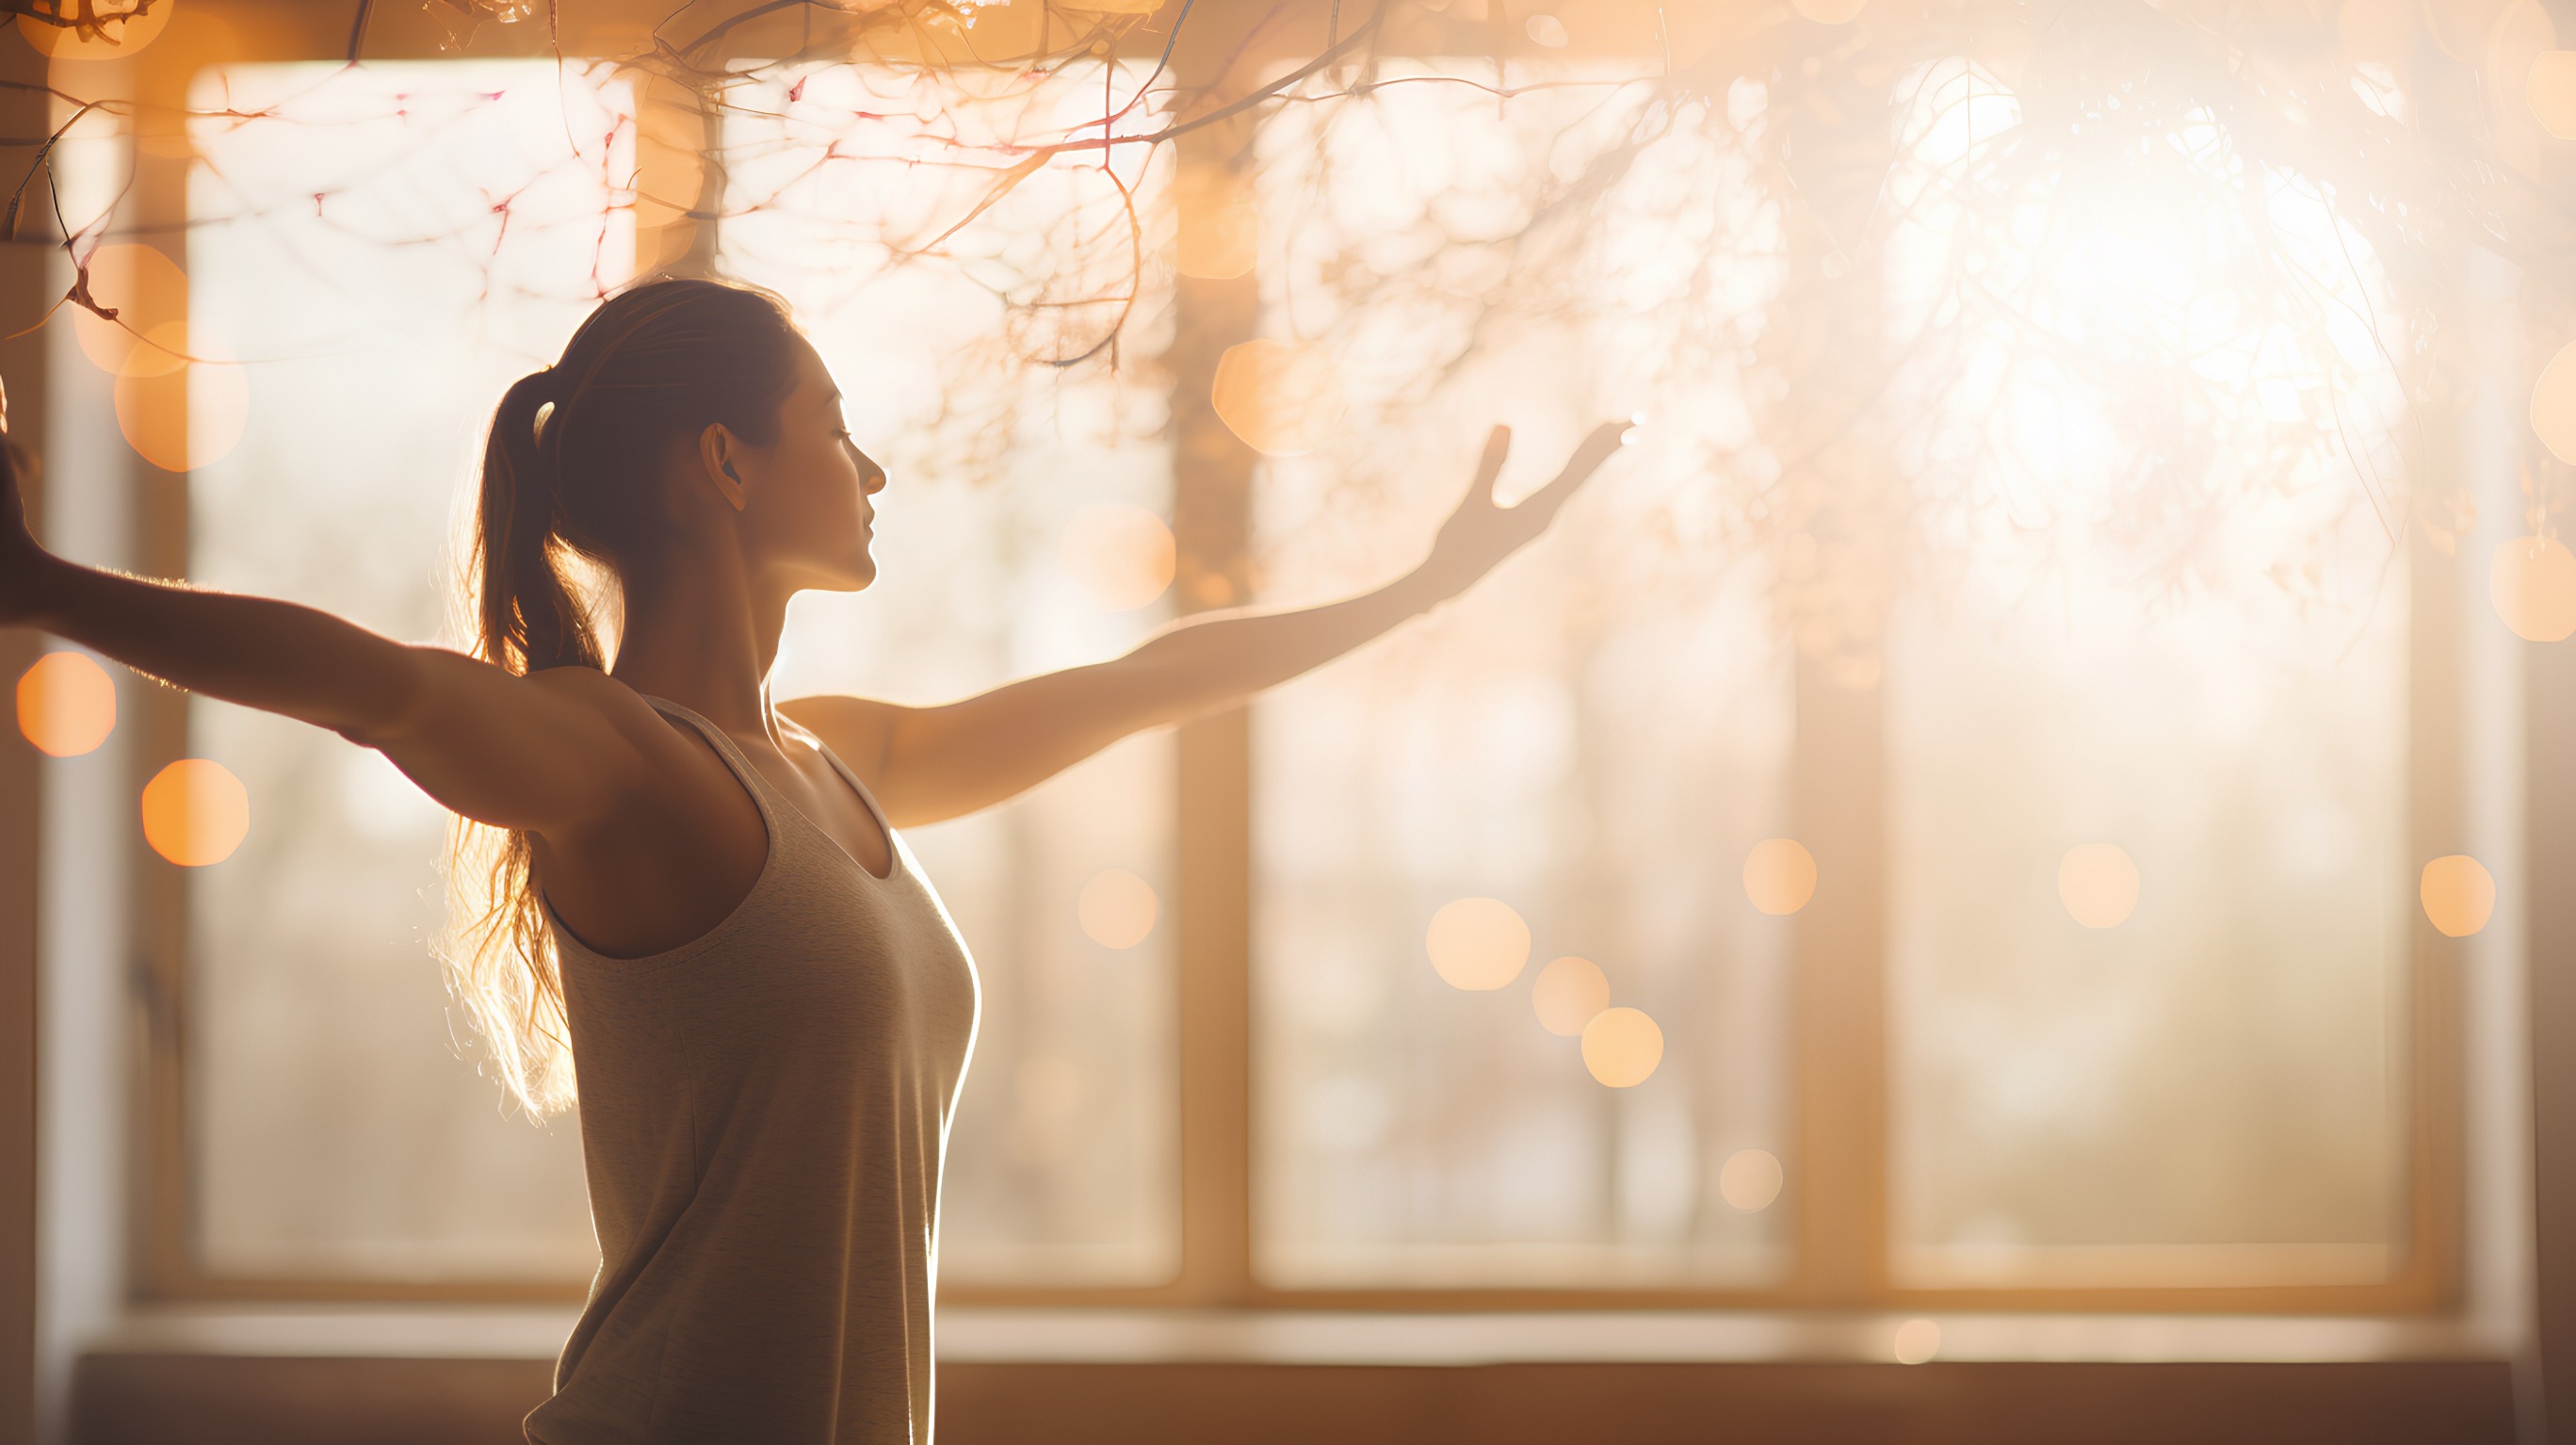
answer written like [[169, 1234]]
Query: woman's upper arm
[[926, 764], [545, 752], [858, 730]]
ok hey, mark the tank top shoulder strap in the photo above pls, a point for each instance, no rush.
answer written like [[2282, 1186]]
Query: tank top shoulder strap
[[848, 774], [727, 749]]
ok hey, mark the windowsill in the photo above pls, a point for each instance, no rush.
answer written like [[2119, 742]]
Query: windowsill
[[1290, 1337]]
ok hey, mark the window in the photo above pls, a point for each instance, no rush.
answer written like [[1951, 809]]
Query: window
[[2007, 924], [1595, 739], [333, 1132]]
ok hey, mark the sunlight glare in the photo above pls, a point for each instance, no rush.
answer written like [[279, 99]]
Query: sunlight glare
[[195, 812], [1622, 1047], [66, 704], [2459, 895], [2532, 583], [2098, 883], [1117, 908], [1477, 943], [1569, 993]]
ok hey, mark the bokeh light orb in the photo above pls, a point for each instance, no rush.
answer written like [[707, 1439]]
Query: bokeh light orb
[[128, 27], [1123, 556], [2521, 33], [1780, 875], [2553, 404], [2461, 27], [2098, 883], [195, 812], [1622, 1047], [66, 704], [1830, 12], [2532, 583], [2379, 32], [1117, 908], [185, 419], [1477, 943], [1283, 398], [149, 294], [1548, 31], [1568, 994], [163, 349], [1916, 1342], [1751, 1179], [2550, 86], [2459, 895]]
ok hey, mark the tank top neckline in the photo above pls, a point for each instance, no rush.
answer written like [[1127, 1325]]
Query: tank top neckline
[[774, 812], [762, 791]]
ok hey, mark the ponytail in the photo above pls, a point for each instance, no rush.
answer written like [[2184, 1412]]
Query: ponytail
[[568, 447], [532, 618]]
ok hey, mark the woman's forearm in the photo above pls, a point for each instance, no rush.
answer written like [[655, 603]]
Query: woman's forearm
[[275, 656], [943, 762], [1216, 659]]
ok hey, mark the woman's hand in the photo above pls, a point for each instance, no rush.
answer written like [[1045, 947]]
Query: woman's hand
[[925, 764], [1480, 533]]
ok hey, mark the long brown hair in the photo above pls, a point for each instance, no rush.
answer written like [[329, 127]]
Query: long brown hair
[[571, 494]]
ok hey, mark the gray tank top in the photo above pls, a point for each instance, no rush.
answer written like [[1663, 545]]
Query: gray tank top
[[763, 1115]]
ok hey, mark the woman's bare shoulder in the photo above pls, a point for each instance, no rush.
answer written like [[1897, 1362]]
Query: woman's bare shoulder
[[854, 728], [626, 713]]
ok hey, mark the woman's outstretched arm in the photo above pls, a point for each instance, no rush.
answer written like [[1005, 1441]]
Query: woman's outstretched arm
[[926, 764], [501, 749]]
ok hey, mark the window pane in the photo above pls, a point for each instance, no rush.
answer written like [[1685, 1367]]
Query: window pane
[[2206, 1090], [337, 1127], [1595, 738], [2147, 732], [1025, 529]]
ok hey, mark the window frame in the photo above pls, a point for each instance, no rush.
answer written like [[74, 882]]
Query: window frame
[[1837, 1244]]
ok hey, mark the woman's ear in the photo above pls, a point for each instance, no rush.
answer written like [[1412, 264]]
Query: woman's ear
[[717, 451]]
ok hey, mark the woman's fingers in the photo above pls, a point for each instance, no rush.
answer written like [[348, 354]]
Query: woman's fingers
[[1498, 445], [1596, 448]]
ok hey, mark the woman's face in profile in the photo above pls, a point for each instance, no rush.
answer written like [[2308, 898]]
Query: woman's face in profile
[[808, 506]]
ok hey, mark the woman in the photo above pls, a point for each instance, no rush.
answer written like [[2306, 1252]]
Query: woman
[[701, 895]]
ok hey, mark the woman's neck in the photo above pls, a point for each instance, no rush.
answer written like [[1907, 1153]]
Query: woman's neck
[[702, 632]]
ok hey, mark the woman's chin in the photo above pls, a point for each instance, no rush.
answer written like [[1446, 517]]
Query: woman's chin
[[840, 575]]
